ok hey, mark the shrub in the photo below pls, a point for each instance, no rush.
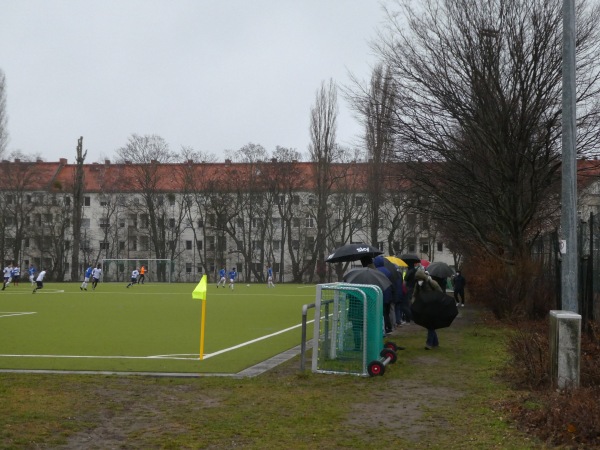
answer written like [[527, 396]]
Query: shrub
[[570, 417], [514, 292]]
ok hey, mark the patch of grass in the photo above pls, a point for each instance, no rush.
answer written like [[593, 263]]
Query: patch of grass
[[446, 398], [118, 329]]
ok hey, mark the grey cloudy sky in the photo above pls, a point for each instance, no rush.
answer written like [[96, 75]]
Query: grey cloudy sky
[[210, 74]]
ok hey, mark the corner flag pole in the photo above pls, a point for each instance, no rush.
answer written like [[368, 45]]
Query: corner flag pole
[[200, 294]]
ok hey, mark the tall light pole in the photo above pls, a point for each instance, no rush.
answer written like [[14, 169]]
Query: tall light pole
[[569, 164]]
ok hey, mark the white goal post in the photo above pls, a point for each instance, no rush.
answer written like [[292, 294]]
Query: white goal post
[[119, 270]]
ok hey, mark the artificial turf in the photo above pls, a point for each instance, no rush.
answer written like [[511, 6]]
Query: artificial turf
[[147, 328]]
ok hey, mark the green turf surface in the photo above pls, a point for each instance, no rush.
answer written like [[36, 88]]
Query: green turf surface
[[147, 328]]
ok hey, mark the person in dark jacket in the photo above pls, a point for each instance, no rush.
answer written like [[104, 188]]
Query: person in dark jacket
[[426, 284], [388, 294], [459, 283], [409, 281]]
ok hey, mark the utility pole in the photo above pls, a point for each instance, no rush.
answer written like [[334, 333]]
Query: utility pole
[[565, 324], [569, 164]]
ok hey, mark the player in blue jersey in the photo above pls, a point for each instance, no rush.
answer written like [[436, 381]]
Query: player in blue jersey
[[86, 278], [270, 283], [31, 271], [222, 280], [232, 277]]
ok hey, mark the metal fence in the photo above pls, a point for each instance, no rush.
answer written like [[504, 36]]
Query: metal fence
[[545, 250]]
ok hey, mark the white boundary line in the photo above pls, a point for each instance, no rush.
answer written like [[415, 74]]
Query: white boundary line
[[175, 356], [10, 314]]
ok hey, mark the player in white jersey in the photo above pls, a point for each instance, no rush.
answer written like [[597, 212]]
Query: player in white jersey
[[40, 280], [134, 277], [96, 274]]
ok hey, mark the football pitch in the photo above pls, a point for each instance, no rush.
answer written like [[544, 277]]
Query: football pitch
[[148, 328]]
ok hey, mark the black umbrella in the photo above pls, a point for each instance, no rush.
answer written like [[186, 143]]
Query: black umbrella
[[352, 252], [366, 275], [410, 258], [433, 310], [439, 270]]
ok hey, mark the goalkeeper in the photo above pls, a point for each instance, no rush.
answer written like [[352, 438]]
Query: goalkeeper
[[134, 277]]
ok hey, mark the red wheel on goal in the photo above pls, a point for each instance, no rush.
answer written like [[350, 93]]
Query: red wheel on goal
[[376, 368], [389, 353]]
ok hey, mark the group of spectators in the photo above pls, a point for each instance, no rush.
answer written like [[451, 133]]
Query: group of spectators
[[399, 296]]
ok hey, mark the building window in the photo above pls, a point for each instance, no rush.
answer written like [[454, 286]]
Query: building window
[[296, 199], [276, 245], [188, 245], [121, 245], [276, 222], [188, 267], [424, 247], [296, 222], [86, 201], [295, 244], [359, 201], [440, 246], [309, 221], [171, 223], [104, 246], [199, 245], [104, 222]]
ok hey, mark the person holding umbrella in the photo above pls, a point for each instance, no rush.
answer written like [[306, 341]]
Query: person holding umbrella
[[424, 284], [388, 294]]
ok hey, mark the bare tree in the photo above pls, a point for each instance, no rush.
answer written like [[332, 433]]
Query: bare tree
[[322, 150], [478, 112], [16, 206], [3, 115], [149, 176], [78, 188], [376, 110]]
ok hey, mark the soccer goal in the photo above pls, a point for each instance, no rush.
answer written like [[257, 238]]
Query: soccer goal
[[157, 270]]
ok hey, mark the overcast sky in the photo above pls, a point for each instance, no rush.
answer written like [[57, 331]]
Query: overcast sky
[[210, 74]]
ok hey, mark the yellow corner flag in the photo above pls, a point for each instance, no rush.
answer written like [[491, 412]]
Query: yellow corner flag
[[200, 294], [200, 291]]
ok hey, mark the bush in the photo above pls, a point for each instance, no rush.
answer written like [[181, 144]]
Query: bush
[[515, 292], [570, 417]]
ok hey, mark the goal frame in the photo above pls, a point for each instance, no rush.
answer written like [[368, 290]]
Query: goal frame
[[130, 263]]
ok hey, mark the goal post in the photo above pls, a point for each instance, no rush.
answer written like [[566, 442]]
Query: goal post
[[119, 270]]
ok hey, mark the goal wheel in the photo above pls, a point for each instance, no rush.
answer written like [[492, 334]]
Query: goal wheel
[[391, 346], [376, 368], [389, 353]]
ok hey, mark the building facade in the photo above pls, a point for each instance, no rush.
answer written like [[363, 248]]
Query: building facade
[[205, 216]]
